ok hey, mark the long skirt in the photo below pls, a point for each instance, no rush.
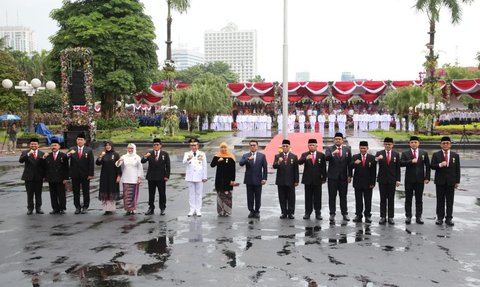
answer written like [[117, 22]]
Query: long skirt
[[224, 203], [108, 205], [130, 196]]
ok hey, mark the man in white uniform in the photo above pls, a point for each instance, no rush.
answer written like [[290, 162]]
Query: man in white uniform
[[301, 122], [291, 123], [342, 121], [196, 174], [279, 121], [332, 118], [321, 123]]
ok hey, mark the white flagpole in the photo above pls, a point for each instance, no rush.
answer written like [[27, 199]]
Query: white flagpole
[[285, 73]]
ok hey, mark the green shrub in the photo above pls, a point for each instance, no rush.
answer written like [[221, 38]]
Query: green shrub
[[116, 123]]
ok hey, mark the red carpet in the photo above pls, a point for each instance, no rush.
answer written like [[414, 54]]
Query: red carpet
[[298, 143]]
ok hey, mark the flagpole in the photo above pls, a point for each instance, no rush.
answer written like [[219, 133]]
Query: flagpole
[[285, 73]]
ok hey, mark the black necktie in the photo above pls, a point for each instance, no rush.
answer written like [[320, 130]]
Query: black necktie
[[194, 153]]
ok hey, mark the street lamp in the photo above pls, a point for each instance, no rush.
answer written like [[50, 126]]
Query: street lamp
[[30, 89]]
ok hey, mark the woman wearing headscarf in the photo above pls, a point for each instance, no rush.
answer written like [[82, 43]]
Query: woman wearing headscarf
[[110, 174], [224, 179], [132, 175]]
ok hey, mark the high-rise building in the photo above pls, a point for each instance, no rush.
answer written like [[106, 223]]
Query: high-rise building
[[302, 76], [347, 76], [185, 58], [18, 38], [237, 48]]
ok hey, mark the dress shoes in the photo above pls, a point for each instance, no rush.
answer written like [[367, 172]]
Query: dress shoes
[[149, 212], [77, 211], [256, 215], [251, 215], [346, 218], [199, 214], [439, 222], [84, 210], [29, 212], [162, 211], [419, 220], [318, 216], [382, 221], [39, 211], [449, 222], [408, 220], [128, 213], [54, 212], [306, 216], [357, 219], [283, 216], [61, 212], [332, 218], [190, 214], [290, 216], [368, 219], [390, 221]]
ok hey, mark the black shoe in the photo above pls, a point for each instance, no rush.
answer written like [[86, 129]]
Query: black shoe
[[368, 219], [290, 216], [382, 221], [439, 222], [61, 212], [332, 218], [39, 211], [77, 211], [408, 220], [256, 215], [346, 218], [306, 216], [419, 220], [162, 211], [54, 212], [251, 215], [449, 222], [283, 216], [84, 210], [390, 221], [29, 212], [318, 216], [128, 213], [357, 219], [149, 212]]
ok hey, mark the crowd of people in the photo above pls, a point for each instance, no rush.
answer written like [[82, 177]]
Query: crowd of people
[[337, 167]]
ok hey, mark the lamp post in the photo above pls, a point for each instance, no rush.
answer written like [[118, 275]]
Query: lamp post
[[30, 89]]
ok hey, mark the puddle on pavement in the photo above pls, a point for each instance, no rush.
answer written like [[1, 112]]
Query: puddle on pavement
[[60, 260], [103, 247], [477, 202], [257, 276], [231, 257]]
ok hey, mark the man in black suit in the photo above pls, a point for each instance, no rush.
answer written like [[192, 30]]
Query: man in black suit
[[33, 174], [286, 164], [446, 164], [339, 176], [388, 179], [158, 174], [56, 174], [364, 178], [314, 175], [82, 166], [417, 174], [255, 176]]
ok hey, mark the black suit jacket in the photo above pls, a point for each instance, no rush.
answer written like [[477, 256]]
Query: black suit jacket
[[287, 173], [388, 173], [34, 169], [157, 169], [416, 172], [339, 167], [56, 170], [364, 176], [83, 167], [449, 175], [314, 173], [254, 172]]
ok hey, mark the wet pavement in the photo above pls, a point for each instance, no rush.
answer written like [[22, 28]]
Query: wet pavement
[[117, 250]]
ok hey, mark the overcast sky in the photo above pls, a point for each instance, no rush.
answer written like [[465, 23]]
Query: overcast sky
[[373, 39]]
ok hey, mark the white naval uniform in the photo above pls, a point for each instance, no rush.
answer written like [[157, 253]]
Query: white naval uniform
[[331, 124], [196, 171]]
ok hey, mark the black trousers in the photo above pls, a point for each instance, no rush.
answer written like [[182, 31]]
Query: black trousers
[[417, 190], [363, 195], [57, 196], [387, 199], [340, 186], [445, 193], [286, 196], [254, 197], [153, 185], [76, 183], [313, 199], [34, 189]]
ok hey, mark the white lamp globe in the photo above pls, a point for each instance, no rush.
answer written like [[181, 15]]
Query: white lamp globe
[[50, 85], [7, 83], [36, 83], [22, 83]]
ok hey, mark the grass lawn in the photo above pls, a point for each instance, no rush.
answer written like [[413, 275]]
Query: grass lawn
[[405, 136]]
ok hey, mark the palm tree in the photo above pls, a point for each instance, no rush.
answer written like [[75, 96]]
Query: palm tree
[[179, 6]]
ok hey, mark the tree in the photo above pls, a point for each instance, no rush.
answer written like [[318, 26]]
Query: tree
[[256, 79], [179, 6], [402, 100], [216, 68], [121, 38], [208, 95], [9, 100], [478, 59]]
